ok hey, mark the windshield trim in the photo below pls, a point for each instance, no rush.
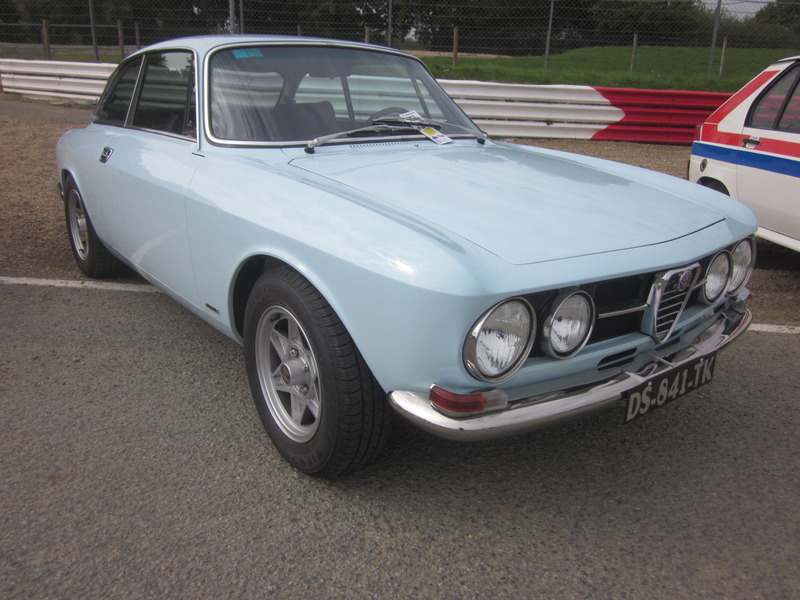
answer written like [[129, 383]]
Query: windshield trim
[[394, 137]]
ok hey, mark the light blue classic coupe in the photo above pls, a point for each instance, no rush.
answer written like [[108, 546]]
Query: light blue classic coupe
[[328, 206]]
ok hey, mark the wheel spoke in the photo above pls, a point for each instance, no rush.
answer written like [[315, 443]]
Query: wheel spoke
[[312, 402], [294, 334], [299, 405], [280, 343]]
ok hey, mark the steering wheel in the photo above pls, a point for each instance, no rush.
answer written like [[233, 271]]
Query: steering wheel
[[391, 110]]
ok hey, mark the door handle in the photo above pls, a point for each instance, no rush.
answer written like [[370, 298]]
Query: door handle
[[751, 142], [106, 154]]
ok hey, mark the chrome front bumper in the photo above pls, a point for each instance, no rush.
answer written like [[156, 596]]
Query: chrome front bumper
[[527, 414]]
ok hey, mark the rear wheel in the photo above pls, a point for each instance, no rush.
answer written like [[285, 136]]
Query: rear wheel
[[317, 399], [715, 185], [92, 257]]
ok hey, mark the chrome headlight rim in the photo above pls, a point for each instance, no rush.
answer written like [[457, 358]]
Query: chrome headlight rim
[[740, 272], [710, 298], [547, 326], [470, 353]]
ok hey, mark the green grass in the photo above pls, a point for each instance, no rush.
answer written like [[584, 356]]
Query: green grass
[[656, 67]]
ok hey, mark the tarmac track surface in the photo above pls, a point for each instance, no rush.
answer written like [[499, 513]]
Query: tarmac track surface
[[134, 466]]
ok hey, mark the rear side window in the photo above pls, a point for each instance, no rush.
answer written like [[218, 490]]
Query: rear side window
[[790, 119], [113, 107], [166, 96], [777, 108]]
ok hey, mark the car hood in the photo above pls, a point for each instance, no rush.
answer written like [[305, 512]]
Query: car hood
[[522, 205]]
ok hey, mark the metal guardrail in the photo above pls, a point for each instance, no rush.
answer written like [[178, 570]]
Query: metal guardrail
[[73, 81], [501, 109]]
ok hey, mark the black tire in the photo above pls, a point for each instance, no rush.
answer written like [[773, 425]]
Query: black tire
[[717, 186], [93, 258], [317, 399]]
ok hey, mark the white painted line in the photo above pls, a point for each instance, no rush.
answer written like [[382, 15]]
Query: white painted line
[[88, 285], [765, 328]]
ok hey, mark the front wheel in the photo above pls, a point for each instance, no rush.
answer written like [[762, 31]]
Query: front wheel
[[317, 399]]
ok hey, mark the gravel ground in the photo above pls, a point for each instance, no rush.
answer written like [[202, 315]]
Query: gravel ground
[[33, 240]]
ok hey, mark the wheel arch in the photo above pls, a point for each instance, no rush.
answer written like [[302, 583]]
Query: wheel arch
[[246, 277], [714, 184]]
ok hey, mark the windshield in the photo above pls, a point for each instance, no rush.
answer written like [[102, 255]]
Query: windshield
[[262, 94]]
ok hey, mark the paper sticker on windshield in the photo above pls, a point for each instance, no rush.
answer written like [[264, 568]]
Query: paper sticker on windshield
[[436, 136], [411, 115]]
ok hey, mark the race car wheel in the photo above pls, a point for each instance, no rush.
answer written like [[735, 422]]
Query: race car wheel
[[317, 399]]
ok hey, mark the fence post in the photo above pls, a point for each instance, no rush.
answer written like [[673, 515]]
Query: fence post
[[46, 40], [633, 51], [724, 56], [455, 47], [299, 30], [121, 36], [389, 25], [94, 31], [549, 35], [717, 15], [366, 34]]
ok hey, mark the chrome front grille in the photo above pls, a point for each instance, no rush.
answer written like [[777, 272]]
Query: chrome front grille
[[668, 298]]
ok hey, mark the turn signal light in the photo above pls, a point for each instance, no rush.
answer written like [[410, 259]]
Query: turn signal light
[[463, 404], [458, 403]]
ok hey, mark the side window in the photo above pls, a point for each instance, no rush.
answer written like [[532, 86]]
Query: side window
[[166, 96], [113, 107], [790, 119], [323, 89], [766, 111], [373, 92]]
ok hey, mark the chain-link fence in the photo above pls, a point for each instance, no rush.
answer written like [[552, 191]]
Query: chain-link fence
[[496, 27]]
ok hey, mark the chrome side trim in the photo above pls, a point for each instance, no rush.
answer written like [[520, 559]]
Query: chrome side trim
[[535, 413]]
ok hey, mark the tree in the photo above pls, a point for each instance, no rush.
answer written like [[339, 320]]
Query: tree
[[659, 23], [785, 13]]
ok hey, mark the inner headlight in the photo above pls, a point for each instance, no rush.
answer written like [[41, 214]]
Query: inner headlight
[[500, 341], [744, 259], [569, 324], [718, 276]]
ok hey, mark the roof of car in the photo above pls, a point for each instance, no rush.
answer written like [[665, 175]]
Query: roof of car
[[205, 43]]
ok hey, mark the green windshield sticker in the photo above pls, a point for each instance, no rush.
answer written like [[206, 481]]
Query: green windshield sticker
[[247, 53]]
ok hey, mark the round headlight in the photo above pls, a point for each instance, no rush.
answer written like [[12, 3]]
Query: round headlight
[[744, 259], [500, 341], [569, 324], [717, 277]]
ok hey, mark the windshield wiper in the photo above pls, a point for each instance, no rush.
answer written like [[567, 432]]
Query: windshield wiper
[[482, 136], [393, 124], [379, 128]]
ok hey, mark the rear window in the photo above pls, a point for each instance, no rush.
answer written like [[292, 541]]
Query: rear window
[[779, 105]]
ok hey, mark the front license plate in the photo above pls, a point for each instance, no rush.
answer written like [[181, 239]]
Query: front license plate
[[669, 386]]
